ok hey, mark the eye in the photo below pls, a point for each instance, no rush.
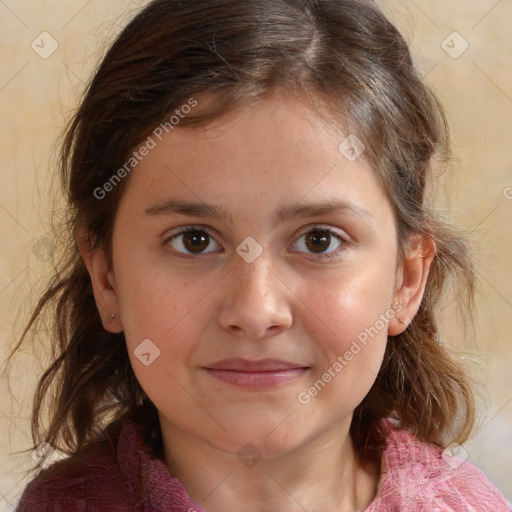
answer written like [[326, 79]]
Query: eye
[[192, 240], [322, 241]]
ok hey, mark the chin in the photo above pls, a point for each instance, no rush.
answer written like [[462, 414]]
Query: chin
[[263, 439]]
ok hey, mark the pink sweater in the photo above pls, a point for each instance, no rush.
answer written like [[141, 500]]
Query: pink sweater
[[124, 476]]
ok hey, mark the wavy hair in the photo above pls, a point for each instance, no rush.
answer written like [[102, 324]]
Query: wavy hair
[[345, 55]]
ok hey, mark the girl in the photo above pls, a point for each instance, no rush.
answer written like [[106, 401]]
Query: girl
[[246, 319]]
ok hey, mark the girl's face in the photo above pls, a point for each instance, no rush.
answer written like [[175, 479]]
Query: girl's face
[[254, 273]]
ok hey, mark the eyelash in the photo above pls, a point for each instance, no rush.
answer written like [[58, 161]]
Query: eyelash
[[320, 228]]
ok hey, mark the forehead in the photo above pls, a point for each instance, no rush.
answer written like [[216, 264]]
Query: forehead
[[273, 152]]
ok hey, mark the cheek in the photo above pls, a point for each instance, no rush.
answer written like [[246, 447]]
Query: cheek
[[151, 299], [349, 323], [165, 309], [344, 308], [162, 325]]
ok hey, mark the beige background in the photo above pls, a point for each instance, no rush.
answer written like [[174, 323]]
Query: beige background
[[37, 94]]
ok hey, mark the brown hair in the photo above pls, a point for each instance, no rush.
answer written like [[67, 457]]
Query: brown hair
[[344, 54]]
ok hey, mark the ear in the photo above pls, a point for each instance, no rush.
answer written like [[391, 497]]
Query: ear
[[103, 283], [411, 282]]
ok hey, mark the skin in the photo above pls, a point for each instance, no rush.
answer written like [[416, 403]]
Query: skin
[[289, 303]]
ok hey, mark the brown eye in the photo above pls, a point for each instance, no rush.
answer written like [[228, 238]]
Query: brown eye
[[192, 241], [324, 242], [318, 241], [195, 241]]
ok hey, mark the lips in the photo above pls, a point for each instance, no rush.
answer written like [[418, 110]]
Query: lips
[[264, 373], [246, 365]]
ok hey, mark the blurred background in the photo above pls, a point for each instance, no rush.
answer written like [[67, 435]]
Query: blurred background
[[463, 49]]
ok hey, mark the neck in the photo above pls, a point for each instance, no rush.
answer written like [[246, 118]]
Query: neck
[[322, 474]]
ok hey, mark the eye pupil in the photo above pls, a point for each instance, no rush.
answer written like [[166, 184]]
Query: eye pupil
[[195, 241], [320, 241]]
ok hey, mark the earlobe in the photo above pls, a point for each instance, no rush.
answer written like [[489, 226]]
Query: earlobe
[[103, 284], [411, 282]]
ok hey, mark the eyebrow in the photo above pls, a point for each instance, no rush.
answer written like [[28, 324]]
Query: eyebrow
[[198, 209]]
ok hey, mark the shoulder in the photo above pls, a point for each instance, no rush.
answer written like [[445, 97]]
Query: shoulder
[[418, 476], [108, 475]]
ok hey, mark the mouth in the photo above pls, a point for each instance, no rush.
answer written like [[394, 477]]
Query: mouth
[[261, 374]]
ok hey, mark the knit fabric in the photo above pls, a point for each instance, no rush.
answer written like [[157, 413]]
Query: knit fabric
[[119, 473]]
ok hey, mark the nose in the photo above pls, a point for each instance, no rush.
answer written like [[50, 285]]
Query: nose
[[256, 302]]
